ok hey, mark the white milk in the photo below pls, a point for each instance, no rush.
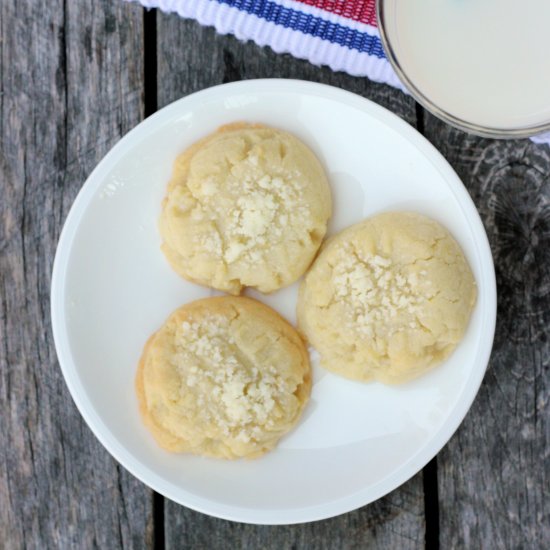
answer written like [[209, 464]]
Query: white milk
[[483, 61]]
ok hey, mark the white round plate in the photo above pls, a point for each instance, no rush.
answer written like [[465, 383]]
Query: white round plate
[[112, 288]]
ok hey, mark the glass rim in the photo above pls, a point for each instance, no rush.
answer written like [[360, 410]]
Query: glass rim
[[442, 114]]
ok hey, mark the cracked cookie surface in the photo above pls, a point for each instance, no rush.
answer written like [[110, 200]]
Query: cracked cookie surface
[[246, 206], [224, 377], [387, 299]]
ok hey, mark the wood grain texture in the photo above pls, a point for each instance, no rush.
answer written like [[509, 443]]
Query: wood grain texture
[[494, 473], [71, 77], [191, 58], [393, 522]]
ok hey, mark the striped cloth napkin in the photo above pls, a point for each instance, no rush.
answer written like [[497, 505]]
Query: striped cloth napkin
[[339, 33]]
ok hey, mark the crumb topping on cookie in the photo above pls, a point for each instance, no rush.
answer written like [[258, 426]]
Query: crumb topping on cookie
[[264, 210], [379, 293], [235, 395]]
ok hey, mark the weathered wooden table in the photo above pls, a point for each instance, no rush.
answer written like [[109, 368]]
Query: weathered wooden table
[[76, 76]]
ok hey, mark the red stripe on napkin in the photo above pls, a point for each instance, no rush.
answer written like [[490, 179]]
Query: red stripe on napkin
[[363, 11]]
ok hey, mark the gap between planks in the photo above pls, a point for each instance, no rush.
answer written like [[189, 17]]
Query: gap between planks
[[150, 106]]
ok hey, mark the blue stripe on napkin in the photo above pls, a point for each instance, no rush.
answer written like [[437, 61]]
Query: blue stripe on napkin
[[309, 24]]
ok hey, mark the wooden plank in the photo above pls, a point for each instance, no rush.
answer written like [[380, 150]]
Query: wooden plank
[[191, 58], [72, 85], [393, 522], [493, 475]]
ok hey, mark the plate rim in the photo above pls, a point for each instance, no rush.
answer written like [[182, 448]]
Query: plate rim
[[286, 516]]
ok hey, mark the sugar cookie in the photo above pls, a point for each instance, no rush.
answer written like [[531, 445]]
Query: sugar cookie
[[224, 377], [246, 206], [387, 299]]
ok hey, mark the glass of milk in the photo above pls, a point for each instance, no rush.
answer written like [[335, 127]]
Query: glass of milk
[[481, 65]]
